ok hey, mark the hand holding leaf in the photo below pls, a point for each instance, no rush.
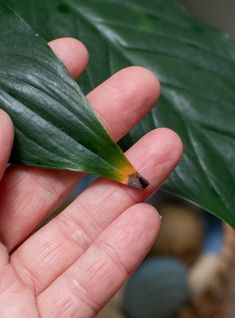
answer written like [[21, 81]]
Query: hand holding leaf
[[73, 249], [55, 126]]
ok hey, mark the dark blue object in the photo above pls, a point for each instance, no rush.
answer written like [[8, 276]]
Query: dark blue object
[[214, 234], [158, 289]]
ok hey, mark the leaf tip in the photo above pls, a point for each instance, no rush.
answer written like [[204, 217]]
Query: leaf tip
[[137, 181]]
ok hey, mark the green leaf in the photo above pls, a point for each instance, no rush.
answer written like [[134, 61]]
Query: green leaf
[[196, 66], [54, 124]]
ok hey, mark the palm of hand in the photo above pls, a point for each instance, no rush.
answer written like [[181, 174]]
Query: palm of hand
[[74, 264]]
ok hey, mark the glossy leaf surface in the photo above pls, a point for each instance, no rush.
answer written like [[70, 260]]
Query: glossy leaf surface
[[196, 66], [54, 124]]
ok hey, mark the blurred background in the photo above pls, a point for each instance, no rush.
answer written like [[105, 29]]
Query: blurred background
[[219, 13]]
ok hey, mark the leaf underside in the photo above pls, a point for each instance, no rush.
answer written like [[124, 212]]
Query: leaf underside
[[196, 66]]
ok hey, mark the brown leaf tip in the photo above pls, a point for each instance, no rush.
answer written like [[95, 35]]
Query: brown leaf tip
[[137, 181]]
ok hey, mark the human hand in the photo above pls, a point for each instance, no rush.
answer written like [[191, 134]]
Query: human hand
[[73, 265]]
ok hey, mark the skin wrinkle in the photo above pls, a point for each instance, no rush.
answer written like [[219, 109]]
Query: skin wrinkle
[[67, 305], [13, 287], [51, 188], [35, 202], [97, 94], [129, 194], [127, 190], [109, 197], [5, 182], [122, 194], [62, 224], [3, 272], [89, 216], [53, 247], [94, 267], [77, 288], [101, 268], [86, 291], [60, 221], [67, 227], [12, 213], [17, 194], [4, 256], [113, 256], [26, 277], [56, 183]]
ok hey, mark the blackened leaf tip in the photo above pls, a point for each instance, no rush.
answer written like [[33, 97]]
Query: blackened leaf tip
[[137, 181]]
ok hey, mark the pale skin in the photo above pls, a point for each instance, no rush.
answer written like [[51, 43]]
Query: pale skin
[[72, 266]]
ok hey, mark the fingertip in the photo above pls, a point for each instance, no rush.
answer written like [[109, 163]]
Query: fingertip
[[136, 230], [72, 53], [126, 97], [148, 217], [172, 141], [161, 151], [146, 77], [168, 147]]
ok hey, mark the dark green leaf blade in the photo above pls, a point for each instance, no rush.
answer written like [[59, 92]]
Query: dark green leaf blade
[[195, 63], [54, 124]]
